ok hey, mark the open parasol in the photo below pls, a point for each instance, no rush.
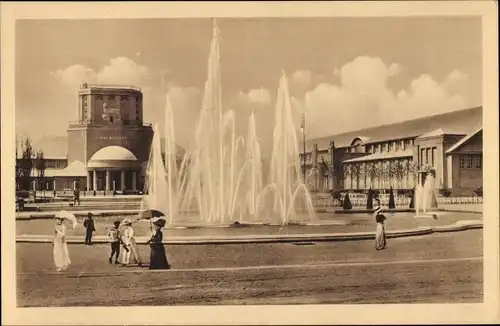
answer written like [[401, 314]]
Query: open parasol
[[65, 215]]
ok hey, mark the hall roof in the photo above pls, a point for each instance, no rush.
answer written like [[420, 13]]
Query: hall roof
[[463, 141], [75, 169], [113, 153], [460, 122]]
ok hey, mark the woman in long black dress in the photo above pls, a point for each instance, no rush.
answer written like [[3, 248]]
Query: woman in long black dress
[[158, 257]]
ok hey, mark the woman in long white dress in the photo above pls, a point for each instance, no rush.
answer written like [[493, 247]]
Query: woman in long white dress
[[380, 242], [60, 245], [129, 241], [61, 253]]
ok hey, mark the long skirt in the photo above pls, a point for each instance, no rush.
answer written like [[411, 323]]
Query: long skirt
[[135, 251], [61, 254], [380, 242], [158, 257]]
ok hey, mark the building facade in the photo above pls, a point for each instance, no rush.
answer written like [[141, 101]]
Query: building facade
[[106, 148], [448, 145]]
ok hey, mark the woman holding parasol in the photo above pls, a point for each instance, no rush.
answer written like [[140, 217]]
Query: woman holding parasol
[[60, 245], [158, 257]]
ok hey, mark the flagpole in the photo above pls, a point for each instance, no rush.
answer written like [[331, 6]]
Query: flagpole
[[303, 127]]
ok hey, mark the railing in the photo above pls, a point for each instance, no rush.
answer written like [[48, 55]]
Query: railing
[[135, 88], [359, 200]]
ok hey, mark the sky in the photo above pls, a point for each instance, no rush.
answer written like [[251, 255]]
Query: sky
[[346, 73]]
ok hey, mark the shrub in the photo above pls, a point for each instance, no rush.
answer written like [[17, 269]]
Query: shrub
[[392, 203], [445, 192], [336, 195], [347, 202], [369, 200], [412, 201]]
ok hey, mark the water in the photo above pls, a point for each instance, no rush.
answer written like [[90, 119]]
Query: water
[[425, 195], [221, 181]]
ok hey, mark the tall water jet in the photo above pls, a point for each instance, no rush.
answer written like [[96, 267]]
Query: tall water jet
[[220, 179], [156, 187]]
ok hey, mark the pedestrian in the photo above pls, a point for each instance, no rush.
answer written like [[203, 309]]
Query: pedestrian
[[60, 246], [380, 242], [116, 241], [129, 241], [90, 228], [158, 257], [76, 197]]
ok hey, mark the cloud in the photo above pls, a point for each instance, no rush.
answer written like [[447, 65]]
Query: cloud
[[119, 70], [363, 97]]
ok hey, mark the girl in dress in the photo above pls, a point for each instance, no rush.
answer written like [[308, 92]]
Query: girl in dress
[[60, 246], [158, 257], [380, 242], [129, 241]]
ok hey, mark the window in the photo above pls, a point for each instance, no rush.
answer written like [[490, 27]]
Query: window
[[111, 97], [98, 97], [427, 150], [462, 162], [398, 146], [478, 162], [469, 162], [111, 119], [434, 156]]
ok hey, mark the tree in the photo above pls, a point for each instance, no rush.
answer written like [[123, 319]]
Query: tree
[[40, 166], [357, 173], [371, 171], [379, 172], [399, 171], [26, 165], [413, 169], [347, 172], [385, 172], [347, 202]]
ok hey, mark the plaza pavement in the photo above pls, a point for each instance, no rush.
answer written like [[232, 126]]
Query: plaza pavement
[[439, 268]]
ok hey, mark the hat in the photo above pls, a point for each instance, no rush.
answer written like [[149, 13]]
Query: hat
[[160, 223], [378, 209], [126, 222]]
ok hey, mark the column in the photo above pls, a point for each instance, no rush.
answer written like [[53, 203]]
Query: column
[[108, 180], [88, 180], [122, 180], [134, 180], [94, 181]]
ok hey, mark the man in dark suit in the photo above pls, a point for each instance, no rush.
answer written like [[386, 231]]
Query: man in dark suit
[[90, 228]]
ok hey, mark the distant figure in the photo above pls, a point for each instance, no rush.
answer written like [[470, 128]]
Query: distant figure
[[380, 242], [129, 241], [76, 197], [90, 228], [115, 239], [60, 246], [158, 257]]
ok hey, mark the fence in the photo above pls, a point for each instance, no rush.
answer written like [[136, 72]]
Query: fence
[[359, 200]]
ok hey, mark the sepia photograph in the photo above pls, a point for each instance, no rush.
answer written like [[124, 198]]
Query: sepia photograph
[[268, 160]]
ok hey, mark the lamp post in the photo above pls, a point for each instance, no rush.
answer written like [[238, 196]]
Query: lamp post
[[303, 129]]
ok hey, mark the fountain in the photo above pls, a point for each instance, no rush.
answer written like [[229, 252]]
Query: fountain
[[221, 181], [425, 197]]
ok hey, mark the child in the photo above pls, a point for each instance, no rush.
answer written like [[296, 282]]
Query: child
[[115, 239]]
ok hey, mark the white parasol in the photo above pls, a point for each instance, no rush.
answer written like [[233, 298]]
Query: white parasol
[[67, 216]]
